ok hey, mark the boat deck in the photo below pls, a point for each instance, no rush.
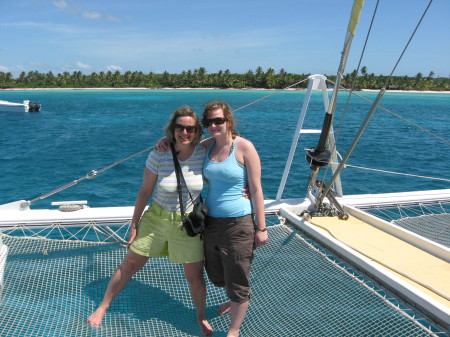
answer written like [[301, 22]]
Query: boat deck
[[420, 269]]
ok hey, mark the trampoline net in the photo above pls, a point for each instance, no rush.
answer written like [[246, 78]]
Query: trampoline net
[[51, 286]]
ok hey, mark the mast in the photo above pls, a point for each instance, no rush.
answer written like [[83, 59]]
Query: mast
[[320, 156]]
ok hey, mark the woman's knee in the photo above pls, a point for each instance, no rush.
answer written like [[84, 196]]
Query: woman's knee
[[240, 295], [133, 263], [193, 272]]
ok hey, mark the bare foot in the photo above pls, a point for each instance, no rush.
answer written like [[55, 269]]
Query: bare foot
[[205, 327], [224, 308], [96, 318], [233, 333]]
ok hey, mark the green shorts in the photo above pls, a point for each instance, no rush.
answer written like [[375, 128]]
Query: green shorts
[[160, 233]]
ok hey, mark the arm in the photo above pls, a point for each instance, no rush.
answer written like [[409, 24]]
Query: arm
[[144, 194], [253, 165], [162, 144], [207, 143]]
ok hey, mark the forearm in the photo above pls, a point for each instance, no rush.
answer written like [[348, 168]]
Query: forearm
[[258, 205], [207, 142], [141, 202]]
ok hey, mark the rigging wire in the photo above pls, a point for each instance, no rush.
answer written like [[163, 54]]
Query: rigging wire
[[399, 117], [352, 92], [409, 41], [347, 104], [369, 115], [398, 173], [384, 171]]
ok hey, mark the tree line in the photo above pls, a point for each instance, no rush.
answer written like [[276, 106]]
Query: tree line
[[199, 78]]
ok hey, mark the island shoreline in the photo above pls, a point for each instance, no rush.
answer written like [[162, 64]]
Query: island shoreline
[[259, 89]]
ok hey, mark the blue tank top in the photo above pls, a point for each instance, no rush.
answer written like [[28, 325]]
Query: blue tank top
[[225, 183]]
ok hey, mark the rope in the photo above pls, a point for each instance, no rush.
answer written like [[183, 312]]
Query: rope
[[125, 159], [91, 174], [274, 93]]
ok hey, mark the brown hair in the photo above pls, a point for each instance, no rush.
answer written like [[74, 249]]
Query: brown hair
[[181, 112], [227, 113]]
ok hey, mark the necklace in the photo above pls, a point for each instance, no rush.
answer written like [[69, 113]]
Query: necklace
[[219, 155]]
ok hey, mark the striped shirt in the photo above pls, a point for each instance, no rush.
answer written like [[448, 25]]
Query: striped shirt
[[166, 193]]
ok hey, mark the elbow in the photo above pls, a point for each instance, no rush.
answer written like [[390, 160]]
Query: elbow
[[256, 193], [144, 193]]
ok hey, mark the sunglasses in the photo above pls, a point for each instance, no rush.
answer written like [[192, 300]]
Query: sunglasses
[[189, 129], [215, 121]]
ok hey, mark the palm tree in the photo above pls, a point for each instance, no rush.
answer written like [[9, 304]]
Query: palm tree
[[6, 80], [364, 70], [269, 79], [259, 78]]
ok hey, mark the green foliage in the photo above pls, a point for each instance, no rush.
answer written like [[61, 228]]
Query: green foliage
[[199, 78]]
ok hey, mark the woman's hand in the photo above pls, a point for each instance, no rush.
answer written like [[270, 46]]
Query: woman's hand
[[132, 236], [162, 144], [261, 238]]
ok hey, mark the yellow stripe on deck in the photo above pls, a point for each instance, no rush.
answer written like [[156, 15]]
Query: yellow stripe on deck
[[393, 252]]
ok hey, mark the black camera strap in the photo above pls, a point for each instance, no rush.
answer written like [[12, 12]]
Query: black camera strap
[[179, 173]]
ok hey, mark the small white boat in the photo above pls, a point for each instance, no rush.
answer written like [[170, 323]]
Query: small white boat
[[26, 106]]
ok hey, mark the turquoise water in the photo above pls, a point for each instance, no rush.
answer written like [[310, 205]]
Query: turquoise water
[[82, 130]]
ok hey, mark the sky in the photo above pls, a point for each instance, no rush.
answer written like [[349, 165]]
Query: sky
[[301, 36]]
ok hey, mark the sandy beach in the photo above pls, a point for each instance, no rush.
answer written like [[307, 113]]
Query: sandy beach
[[143, 88]]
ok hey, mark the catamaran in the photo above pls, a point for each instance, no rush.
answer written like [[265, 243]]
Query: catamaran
[[335, 264]]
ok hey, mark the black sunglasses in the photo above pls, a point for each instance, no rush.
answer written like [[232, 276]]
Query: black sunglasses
[[189, 129], [217, 121]]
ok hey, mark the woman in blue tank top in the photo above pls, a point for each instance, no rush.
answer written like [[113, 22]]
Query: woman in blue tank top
[[231, 233]]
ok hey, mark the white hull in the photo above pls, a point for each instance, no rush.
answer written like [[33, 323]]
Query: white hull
[[26, 106], [11, 214]]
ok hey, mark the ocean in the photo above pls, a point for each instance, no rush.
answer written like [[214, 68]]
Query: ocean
[[77, 131]]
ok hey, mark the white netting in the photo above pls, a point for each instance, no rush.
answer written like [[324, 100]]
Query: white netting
[[52, 286], [3, 257], [431, 221], [435, 227]]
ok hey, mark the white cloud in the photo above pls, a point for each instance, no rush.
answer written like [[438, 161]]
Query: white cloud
[[91, 15], [113, 18], [85, 13], [82, 65], [60, 4], [113, 67], [47, 26], [4, 69]]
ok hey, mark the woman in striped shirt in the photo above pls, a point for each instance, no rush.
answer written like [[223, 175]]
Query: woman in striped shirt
[[158, 231]]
